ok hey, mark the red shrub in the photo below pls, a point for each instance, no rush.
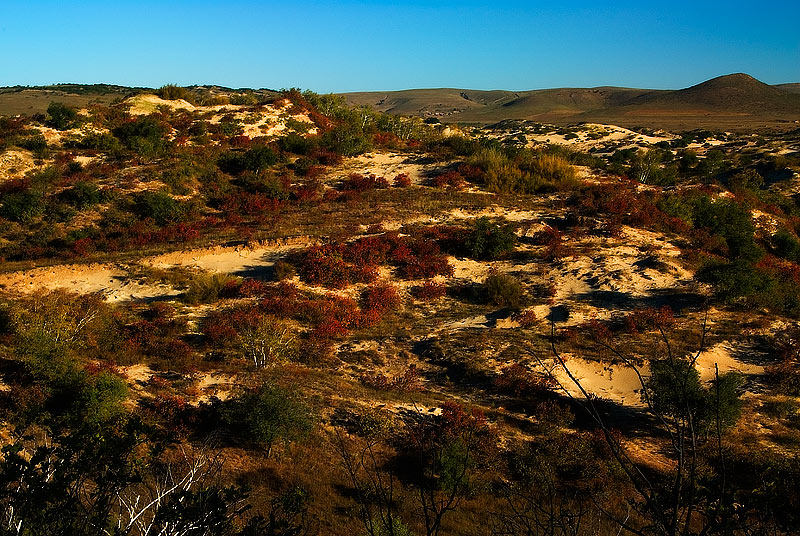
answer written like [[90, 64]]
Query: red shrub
[[402, 181], [647, 319], [356, 182], [526, 318], [430, 291], [380, 299], [406, 382], [452, 179], [520, 381]]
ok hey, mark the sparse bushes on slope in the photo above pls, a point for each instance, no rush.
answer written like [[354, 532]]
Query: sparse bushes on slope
[[504, 290]]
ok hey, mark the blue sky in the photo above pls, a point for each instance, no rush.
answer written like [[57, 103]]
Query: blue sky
[[360, 46]]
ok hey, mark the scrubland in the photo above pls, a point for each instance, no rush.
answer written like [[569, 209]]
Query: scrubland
[[276, 314]]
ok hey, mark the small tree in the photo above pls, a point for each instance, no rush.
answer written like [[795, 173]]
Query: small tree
[[267, 414], [62, 117], [270, 341]]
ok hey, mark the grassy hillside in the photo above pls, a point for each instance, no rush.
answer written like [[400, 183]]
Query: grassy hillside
[[732, 102]]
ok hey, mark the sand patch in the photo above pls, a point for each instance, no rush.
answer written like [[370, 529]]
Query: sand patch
[[722, 355], [14, 163], [618, 384]]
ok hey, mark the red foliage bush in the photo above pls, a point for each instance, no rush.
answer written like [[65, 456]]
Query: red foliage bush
[[553, 240], [221, 327], [402, 181], [387, 140], [648, 319], [520, 381], [526, 318], [430, 291], [406, 382], [451, 179], [377, 300], [356, 182]]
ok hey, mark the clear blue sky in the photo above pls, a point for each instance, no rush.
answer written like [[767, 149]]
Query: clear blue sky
[[358, 46]]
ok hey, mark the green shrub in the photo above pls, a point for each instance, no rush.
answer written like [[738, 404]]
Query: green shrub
[[174, 92], [284, 270], [489, 240], [159, 206], [255, 160], [82, 195], [269, 341], [145, 136], [268, 414], [62, 117], [675, 390], [22, 207], [205, 288], [347, 140], [504, 290]]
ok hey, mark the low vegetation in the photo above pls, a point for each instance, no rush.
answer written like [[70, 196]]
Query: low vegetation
[[289, 316]]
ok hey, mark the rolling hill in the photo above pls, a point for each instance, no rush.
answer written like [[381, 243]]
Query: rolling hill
[[732, 101]]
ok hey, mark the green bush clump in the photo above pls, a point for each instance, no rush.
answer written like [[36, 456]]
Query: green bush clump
[[490, 240], [674, 389], [255, 160], [206, 288], [175, 92], [62, 117], [146, 136], [159, 206], [528, 172], [82, 195], [267, 414], [22, 207], [504, 290]]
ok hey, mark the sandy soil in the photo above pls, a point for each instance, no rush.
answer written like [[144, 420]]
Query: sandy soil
[[14, 163], [388, 165], [610, 133], [146, 104]]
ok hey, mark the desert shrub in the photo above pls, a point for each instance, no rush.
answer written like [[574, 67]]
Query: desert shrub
[[674, 389], [22, 206], [35, 143], [519, 381], [268, 414], [146, 136], [284, 270], [451, 179], [205, 288], [297, 144], [255, 160], [648, 319], [731, 221], [490, 240], [82, 195], [268, 342], [545, 172], [402, 180], [377, 300], [406, 382], [159, 206], [503, 290], [429, 291], [527, 318], [98, 141], [356, 182], [346, 139], [786, 245], [325, 265], [62, 117], [175, 92]]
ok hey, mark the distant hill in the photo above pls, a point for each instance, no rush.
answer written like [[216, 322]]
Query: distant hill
[[733, 101]]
